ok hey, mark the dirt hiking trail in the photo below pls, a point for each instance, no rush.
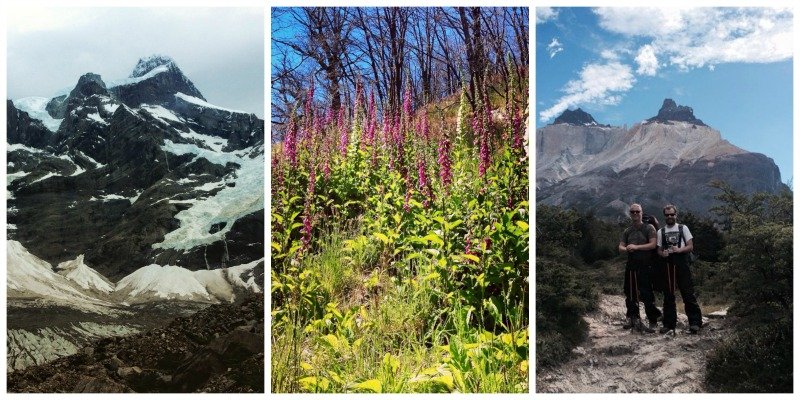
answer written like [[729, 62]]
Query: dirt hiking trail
[[615, 360]]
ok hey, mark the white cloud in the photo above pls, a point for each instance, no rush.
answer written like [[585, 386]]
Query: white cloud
[[609, 55], [598, 84], [544, 14], [642, 21], [698, 37], [647, 61], [554, 47]]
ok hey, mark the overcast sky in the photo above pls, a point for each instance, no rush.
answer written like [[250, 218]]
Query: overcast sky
[[221, 50]]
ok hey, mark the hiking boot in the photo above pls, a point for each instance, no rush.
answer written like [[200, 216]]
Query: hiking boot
[[628, 324], [665, 330], [694, 329], [639, 326], [653, 325]]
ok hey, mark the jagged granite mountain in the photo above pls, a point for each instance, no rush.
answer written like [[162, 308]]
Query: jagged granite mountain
[[126, 194], [669, 158], [577, 117]]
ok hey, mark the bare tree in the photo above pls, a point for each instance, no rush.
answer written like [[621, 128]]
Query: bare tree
[[323, 36]]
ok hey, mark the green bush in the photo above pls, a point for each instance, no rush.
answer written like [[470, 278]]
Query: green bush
[[563, 295], [753, 360]]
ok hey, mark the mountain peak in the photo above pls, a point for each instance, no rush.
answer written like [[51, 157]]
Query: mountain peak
[[89, 84], [671, 111], [575, 117], [147, 64]]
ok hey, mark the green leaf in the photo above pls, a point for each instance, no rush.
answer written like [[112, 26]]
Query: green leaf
[[434, 238], [471, 257], [331, 341], [433, 252], [446, 380], [522, 225], [452, 225], [372, 385], [311, 383], [276, 246], [383, 238]]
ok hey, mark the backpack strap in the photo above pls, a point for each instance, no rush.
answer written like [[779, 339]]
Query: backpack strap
[[663, 237], [680, 234]]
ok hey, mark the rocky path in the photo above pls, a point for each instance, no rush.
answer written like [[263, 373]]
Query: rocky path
[[618, 361]]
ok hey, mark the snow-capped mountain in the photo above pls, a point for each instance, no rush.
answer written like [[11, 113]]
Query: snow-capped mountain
[[144, 172], [131, 197], [669, 158]]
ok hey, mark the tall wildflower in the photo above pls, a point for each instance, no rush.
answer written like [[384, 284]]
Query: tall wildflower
[[344, 138], [445, 174], [328, 116], [399, 145], [290, 143], [326, 170], [423, 125], [317, 127], [372, 120], [312, 182], [483, 161], [463, 120], [407, 108], [422, 177], [518, 131]]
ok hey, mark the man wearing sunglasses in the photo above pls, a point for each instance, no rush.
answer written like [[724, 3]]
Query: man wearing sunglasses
[[637, 241], [675, 242]]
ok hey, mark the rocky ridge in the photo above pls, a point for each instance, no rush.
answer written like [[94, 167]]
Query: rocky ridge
[[604, 169]]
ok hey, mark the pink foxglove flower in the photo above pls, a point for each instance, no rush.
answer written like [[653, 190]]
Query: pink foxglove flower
[[326, 170], [344, 137], [290, 144], [445, 174]]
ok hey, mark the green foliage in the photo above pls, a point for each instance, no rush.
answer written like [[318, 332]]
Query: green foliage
[[759, 250], [598, 240], [758, 260], [385, 279], [556, 228], [710, 241], [563, 295], [754, 360]]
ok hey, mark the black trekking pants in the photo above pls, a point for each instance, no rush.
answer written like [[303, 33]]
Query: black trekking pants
[[678, 276], [639, 275]]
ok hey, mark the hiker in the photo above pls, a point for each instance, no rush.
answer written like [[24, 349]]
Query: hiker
[[675, 243], [637, 241]]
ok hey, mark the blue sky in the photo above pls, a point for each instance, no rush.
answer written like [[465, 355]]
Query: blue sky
[[732, 66]]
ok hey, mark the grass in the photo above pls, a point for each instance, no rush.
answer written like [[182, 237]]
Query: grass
[[386, 332]]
